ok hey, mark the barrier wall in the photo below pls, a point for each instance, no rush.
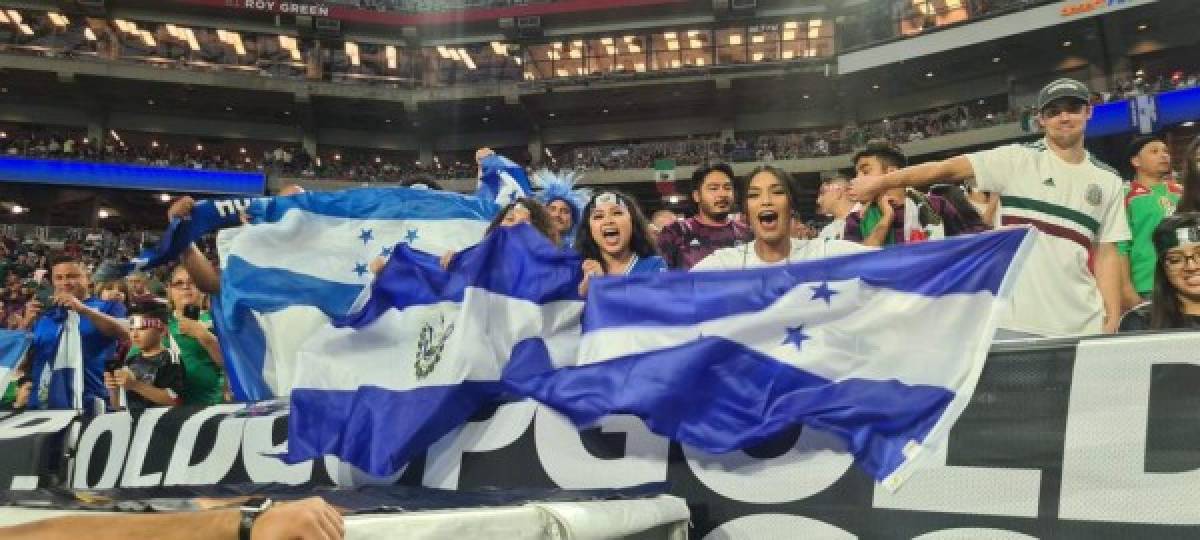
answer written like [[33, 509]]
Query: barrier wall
[[1092, 439]]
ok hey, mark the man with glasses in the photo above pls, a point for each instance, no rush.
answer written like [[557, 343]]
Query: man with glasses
[[1056, 186]]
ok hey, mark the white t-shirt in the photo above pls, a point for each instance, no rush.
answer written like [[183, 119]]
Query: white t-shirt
[[1075, 206], [834, 231], [744, 256]]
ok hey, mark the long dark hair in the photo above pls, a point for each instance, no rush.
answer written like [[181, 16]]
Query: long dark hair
[[538, 217], [789, 184], [639, 240], [957, 197], [1166, 310], [1190, 201]]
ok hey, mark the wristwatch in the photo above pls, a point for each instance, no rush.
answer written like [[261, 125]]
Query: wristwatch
[[251, 509]]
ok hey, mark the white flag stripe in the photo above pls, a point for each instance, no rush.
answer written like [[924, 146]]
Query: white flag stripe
[[851, 348], [289, 242], [385, 353], [285, 332]]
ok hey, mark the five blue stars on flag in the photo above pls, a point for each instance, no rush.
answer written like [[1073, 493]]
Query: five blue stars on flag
[[366, 236]]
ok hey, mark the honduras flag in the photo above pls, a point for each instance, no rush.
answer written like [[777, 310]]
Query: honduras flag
[[430, 347], [882, 349]]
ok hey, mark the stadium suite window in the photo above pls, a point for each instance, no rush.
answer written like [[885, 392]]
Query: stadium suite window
[[917, 16]]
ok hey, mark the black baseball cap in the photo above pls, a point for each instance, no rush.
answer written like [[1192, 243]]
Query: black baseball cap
[[1063, 88]]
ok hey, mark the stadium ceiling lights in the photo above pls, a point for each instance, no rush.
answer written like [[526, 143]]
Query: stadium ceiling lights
[[289, 44], [232, 39], [25, 29], [735, 39], [58, 19], [17, 209], [389, 54], [499, 48], [466, 58], [352, 52], [14, 16], [89, 34]]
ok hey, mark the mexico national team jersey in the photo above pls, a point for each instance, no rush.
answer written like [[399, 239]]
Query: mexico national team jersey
[[1075, 206], [1146, 207]]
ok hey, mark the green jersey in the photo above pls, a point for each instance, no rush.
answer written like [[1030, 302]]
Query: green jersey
[[203, 381], [1145, 207]]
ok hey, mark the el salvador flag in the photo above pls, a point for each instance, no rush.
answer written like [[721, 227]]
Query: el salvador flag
[[430, 347], [305, 259]]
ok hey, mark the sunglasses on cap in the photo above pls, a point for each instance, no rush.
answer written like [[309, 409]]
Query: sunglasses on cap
[[140, 322]]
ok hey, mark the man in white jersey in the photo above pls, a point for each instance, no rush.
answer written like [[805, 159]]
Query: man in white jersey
[[1056, 186]]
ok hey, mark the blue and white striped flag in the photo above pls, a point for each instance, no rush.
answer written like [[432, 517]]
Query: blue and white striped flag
[[430, 347], [306, 259], [13, 345], [502, 180], [882, 349]]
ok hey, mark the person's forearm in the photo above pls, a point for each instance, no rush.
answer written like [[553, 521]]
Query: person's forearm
[[1129, 296], [1108, 278], [953, 170], [213, 348], [878, 236], [201, 270], [207, 525], [105, 324], [153, 394]]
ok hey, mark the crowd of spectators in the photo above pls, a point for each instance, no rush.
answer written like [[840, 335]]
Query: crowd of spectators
[[1143, 85], [779, 146], [26, 273], [292, 161]]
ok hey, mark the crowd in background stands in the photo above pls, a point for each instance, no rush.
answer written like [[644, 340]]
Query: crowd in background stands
[[294, 161], [778, 146], [1142, 85]]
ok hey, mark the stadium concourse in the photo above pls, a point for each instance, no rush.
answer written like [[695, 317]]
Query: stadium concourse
[[745, 268]]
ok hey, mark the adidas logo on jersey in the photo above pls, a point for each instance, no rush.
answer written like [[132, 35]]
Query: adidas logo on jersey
[[1049, 182], [695, 242]]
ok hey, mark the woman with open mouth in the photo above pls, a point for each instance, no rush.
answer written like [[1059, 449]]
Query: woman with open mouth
[[771, 201], [615, 240]]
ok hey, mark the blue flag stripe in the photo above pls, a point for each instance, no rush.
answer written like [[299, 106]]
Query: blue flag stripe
[[977, 263], [13, 345], [326, 422], [736, 398], [376, 203], [542, 273]]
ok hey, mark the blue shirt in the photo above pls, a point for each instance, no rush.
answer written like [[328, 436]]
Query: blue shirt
[[97, 349], [648, 264]]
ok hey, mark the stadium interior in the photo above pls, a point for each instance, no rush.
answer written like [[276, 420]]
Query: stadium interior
[[377, 92]]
